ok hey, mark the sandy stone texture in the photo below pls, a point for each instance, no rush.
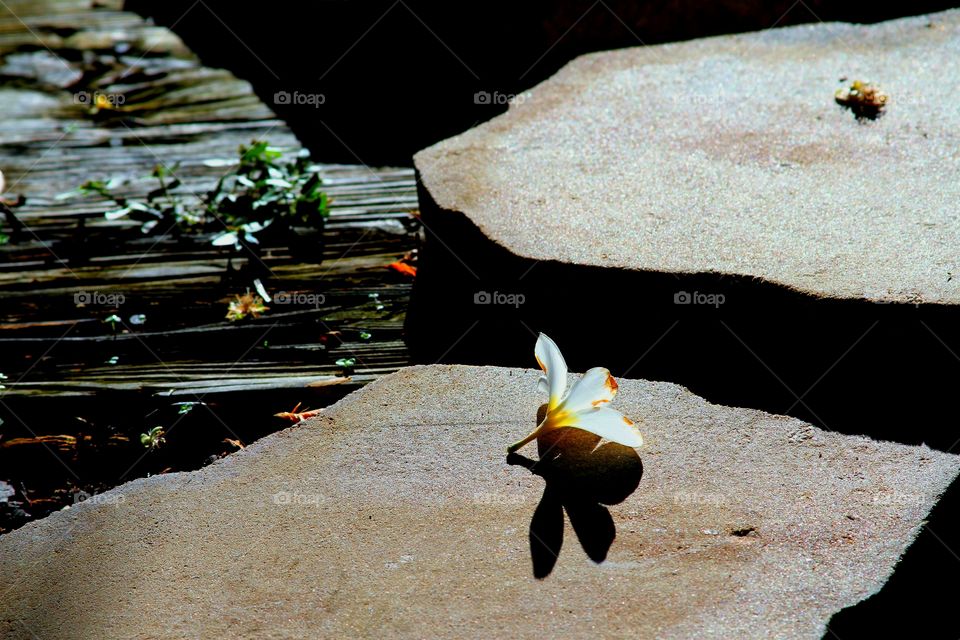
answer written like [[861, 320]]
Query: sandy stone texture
[[729, 155], [395, 513]]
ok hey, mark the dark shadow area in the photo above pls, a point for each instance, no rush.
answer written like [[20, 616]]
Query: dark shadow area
[[582, 479], [398, 76], [887, 371]]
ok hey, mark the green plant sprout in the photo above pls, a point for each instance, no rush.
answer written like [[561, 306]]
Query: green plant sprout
[[581, 408], [375, 299], [153, 438], [346, 364], [112, 321], [186, 407], [262, 190]]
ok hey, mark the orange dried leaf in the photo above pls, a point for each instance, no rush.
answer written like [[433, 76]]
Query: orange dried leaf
[[404, 268]]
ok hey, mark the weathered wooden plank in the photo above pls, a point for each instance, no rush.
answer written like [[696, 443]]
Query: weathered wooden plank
[[80, 386], [177, 112]]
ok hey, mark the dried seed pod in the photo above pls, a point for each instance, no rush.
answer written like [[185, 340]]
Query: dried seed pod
[[867, 101]]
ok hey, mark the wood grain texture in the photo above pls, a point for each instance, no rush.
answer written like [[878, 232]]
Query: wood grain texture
[[54, 57]]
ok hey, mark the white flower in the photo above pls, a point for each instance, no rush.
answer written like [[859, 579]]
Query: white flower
[[582, 408]]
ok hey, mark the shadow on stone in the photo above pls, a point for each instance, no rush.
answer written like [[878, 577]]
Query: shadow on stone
[[885, 371], [583, 479]]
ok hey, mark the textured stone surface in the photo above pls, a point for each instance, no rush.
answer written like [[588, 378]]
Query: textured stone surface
[[729, 155], [395, 513]]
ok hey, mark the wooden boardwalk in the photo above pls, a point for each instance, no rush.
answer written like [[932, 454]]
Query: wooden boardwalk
[[81, 388], [55, 57]]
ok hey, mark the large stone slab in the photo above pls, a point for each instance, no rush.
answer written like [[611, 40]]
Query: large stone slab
[[709, 203], [729, 155], [395, 513]]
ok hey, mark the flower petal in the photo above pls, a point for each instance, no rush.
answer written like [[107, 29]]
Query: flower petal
[[595, 388], [604, 422], [543, 385], [551, 361]]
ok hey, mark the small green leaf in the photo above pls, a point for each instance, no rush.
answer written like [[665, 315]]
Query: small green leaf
[[153, 438]]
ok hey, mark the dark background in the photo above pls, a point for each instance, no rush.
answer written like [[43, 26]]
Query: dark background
[[399, 76]]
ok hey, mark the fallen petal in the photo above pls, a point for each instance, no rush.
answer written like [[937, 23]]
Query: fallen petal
[[554, 366], [604, 422], [595, 388]]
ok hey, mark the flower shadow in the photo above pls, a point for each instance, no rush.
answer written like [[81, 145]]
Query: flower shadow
[[583, 479]]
